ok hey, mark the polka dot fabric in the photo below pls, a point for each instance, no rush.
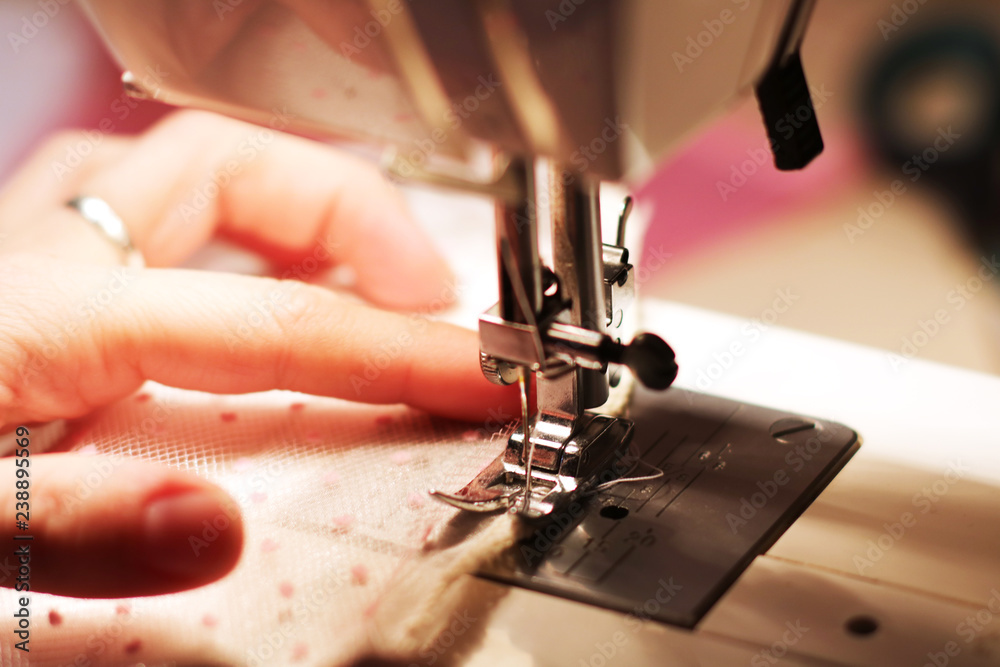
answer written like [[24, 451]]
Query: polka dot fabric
[[336, 513]]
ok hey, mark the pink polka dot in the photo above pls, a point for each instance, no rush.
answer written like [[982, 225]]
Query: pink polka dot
[[299, 45], [331, 477], [286, 589], [227, 417], [401, 458], [123, 609], [343, 521], [470, 436], [318, 93], [209, 621], [133, 647], [268, 545], [313, 437], [383, 420], [242, 464], [142, 398], [55, 618], [403, 117], [415, 500], [297, 407], [359, 574], [299, 651], [258, 497]]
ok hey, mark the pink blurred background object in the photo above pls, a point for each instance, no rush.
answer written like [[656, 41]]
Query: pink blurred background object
[[57, 76], [725, 180]]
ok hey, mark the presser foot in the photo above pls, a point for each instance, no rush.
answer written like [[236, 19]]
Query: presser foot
[[571, 458], [487, 492]]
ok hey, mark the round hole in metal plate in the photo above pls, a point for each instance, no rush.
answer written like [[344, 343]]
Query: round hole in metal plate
[[614, 512], [861, 626]]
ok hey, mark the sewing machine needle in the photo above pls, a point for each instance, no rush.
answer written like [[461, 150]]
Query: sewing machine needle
[[522, 380]]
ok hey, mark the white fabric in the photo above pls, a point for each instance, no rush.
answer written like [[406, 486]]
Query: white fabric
[[342, 553]]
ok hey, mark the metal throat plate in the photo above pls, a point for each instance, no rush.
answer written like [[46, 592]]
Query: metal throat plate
[[735, 478]]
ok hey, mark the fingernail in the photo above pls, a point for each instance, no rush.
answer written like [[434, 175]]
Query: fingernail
[[190, 535]]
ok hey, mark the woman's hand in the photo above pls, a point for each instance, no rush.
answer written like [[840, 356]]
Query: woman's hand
[[78, 331]]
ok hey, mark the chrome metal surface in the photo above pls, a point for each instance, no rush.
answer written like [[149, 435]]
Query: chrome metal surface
[[561, 336], [578, 263], [519, 266], [622, 221], [487, 492], [133, 87], [577, 459], [523, 382], [619, 287], [509, 341], [570, 459], [497, 371]]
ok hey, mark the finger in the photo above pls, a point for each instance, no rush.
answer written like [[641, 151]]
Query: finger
[[220, 333], [105, 527], [302, 204], [32, 215]]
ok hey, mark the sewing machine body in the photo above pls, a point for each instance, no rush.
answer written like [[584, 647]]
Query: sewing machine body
[[598, 86]]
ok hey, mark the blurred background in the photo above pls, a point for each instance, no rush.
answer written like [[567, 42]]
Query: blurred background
[[894, 269], [887, 239]]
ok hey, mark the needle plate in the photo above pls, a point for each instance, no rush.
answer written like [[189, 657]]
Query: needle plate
[[735, 478]]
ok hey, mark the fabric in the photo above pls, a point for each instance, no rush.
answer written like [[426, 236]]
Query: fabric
[[346, 555]]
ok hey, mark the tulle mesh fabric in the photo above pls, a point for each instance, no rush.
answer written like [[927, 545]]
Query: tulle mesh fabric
[[336, 515]]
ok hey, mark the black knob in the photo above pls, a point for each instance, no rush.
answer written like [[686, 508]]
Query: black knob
[[651, 360]]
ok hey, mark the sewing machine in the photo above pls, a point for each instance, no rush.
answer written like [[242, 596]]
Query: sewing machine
[[535, 104]]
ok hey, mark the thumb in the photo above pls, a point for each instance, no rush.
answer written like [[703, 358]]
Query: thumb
[[77, 336], [100, 527]]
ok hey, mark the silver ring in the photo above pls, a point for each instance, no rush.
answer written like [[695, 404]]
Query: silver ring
[[99, 213]]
